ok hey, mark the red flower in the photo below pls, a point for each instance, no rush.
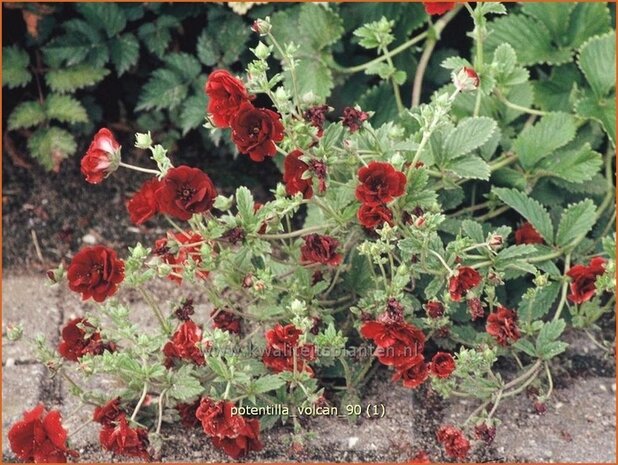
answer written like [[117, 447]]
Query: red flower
[[371, 216], [95, 272], [177, 249], [475, 308], [185, 191], [40, 437], [434, 309], [281, 347], [102, 157], [255, 131], [438, 8], [225, 95], [413, 372], [120, 439], [466, 79], [294, 171], [75, 344], [485, 432], [583, 279], [187, 414], [442, 365], [353, 118], [225, 320], [108, 413], [526, 234], [397, 342], [465, 279], [320, 249], [502, 326], [421, 457], [380, 183], [185, 345], [317, 116], [144, 204], [232, 433], [454, 442]]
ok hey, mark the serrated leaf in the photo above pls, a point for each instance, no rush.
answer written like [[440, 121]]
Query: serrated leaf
[[164, 90], [530, 209], [50, 146], [597, 60], [267, 383], [193, 113], [15, 63], [587, 20], [124, 52], [185, 385], [455, 62], [554, 16], [245, 204], [577, 220], [108, 16], [207, 50], [515, 251], [547, 345], [74, 78], [65, 109], [601, 110], [536, 307], [525, 346], [469, 167], [157, 35], [536, 142], [470, 134], [185, 65], [473, 230], [575, 166], [554, 92], [314, 76], [26, 115]]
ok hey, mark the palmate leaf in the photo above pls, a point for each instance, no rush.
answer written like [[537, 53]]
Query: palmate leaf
[[530, 209], [108, 16], [577, 220], [164, 90], [15, 63], [597, 60], [539, 303], [547, 345], [552, 132], [157, 35], [74, 78], [26, 115], [51, 145]]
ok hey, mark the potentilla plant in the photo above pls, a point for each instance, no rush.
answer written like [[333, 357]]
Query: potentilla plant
[[390, 269]]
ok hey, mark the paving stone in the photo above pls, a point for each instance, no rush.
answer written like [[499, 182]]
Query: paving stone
[[28, 301], [21, 390]]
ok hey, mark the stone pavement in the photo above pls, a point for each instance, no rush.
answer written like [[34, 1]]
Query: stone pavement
[[579, 426]]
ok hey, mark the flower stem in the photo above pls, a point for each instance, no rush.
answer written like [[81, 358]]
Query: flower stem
[[140, 401], [155, 308], [297, 233], [160, 418], [139, 168]]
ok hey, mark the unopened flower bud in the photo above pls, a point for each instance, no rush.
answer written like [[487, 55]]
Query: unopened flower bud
[[143, 141], [247, 281], [262, 26], [466, 79], [495, 241]]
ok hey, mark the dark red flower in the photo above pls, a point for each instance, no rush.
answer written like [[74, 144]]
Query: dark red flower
[[379, 183], [225, 320], [396, 342], [438, 8], [465, 279], [371, 216], [296, 175], [39, 437], [413, 372], [177, 250], [102, 157], [526, 234], [320, 249], [232, 433], [75, 344], [225, 95], [121, 439], [485, 432], [540, 407], [185, 310], [317, 116], [283, 350], [442, 365], [353, 118], [502, 326], [185, 191], [318, 168], [454, 442], [434, 309], [255, 131], [185, 345], [187, 414], [583, 279], [475, 308], [393, 313], [144, 204], [108, 413], [95, 272]]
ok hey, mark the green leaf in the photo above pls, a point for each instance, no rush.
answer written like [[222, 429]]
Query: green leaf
[[375, 34], [576, 221], [577, 165], [108, 16], [597, 60], [15, 63], [526, 347], [530, 209], [124, 52], [547, 345], [193, 113], [601, 110], [470, 134], [164, 90], [536, 142], [207, 50], [245, 205], [267, 383], [185, 65], [185, 385], [218, 367], [515, 251], [50, 146], [536, 305], [554, 16], [473, 230], [507, 73], [65, 109], [587, 20], [156, 35], [470, 167], [74, 78], [26, 115], [554, 92]]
